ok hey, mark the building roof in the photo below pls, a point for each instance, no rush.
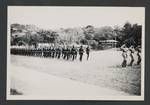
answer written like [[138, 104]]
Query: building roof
[[108, 41]]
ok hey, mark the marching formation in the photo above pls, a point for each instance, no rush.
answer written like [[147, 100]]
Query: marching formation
[[66, 53], [72, 53]]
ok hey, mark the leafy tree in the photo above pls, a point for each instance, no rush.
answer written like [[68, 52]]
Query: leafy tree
[[89, 32], [132, 34], [103, 33], [84, 41], [93, 44], [53, 38]]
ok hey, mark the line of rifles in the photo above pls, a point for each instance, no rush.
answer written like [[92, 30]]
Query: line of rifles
[[65, 53]]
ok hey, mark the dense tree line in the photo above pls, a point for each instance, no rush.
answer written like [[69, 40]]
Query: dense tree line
[[129, 34]]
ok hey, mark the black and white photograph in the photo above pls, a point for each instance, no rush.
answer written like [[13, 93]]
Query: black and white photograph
[[75, 53]]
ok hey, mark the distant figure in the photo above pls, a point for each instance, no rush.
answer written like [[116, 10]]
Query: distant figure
[[53, 52], [44, 52], [56, 52], [68, 53], [64, 51], [59, 53], [81, 51], [49, 52], [139, 57], [73, 51], [124, 55], [87, 52], [76, 53], [131, 49], [40, 52]]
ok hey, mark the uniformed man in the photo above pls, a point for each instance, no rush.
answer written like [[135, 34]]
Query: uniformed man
[[81, 51], [68, 53], [59, 52], [53, 52], [87, 52], [73, 52], [49, 52], [76, 53], [56, 52], [64, 51], [44, 52]]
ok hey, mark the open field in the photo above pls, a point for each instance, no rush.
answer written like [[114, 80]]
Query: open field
[[102, 70]]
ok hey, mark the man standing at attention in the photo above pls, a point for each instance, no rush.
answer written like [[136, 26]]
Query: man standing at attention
[[87, 52], [81, 51]]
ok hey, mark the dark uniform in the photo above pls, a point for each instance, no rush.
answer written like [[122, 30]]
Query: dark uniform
[[49, 52], [59, 53], [53, 52], [68, 53], [64, 51], [81, 51], [76, 53], [56, 52], [87, 52], [73, 52], [44, 52]]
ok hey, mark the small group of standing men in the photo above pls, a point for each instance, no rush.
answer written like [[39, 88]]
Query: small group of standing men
[[81, 51], [131, 51]]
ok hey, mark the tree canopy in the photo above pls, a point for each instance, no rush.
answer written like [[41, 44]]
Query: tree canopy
[[129, 34]]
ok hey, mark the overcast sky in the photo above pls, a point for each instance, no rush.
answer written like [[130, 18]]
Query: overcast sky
[[49, 17]]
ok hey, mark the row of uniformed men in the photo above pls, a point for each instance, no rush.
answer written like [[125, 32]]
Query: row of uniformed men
[[65, 53]]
